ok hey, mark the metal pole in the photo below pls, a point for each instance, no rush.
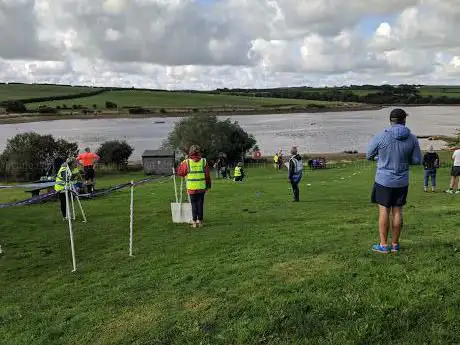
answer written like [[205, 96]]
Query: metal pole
[[73, 206], [69, 218], [131, 220], [81, 208]]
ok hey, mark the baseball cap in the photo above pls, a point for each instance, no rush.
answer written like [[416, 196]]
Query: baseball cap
[[398, 114]]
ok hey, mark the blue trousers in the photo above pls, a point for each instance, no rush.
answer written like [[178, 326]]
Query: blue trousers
[[430, 173]]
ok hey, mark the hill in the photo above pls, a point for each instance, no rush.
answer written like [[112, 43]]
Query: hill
[[25, 91], [263, 270], [167, 99]]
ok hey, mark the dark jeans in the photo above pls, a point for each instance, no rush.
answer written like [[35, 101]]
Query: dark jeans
[[430, 173], [197, 201], [63, 204], [295, 190]]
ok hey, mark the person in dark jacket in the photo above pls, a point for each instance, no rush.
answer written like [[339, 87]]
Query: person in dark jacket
[[295, 173], [196, 169], [430, 165]]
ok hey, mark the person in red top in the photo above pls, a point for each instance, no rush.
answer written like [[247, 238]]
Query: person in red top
[[87, 159], [196, 170]]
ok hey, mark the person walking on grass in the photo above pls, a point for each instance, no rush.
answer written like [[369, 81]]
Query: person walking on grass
[[430, 165], [455, 173], [88, 159], [295, 173], [238, 174], [397, 149], [196, 170], [62, 179]]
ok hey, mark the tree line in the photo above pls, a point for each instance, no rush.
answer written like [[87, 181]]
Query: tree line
[[384, 94]]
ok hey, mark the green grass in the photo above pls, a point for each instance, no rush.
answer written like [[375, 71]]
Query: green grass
[[22, 91], [262, 271], [437, 91], [162, 99]]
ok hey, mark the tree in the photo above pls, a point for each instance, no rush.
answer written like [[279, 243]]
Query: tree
[[15, 107], [115, 152], [28, 155], [111, 105], [212, 135]]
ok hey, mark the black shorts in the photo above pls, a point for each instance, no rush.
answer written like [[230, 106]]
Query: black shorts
[[389, 197], [455, 171], [89, 172]]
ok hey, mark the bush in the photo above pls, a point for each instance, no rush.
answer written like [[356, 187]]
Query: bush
[[44, 109], [15, 107], [28, 156], [111, 105], [115, 152], [139, 110]]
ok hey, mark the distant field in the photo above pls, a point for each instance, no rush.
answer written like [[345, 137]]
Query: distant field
[[448, 91], [21, 91], [130, 98]]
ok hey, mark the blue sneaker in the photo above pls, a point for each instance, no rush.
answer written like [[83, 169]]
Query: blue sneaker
[[395, 248], [380, 249]]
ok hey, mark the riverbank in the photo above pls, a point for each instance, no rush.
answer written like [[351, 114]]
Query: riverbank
[[182, 112]]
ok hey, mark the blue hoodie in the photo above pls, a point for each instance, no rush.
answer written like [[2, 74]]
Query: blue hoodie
[[396, 148]]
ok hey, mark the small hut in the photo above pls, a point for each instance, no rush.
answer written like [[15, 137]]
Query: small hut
[[158, 162]]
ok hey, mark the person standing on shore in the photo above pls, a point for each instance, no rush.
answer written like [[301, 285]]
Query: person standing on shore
[[430, 165], [295, 173], [196, 170], [397, 149], [455, 173]]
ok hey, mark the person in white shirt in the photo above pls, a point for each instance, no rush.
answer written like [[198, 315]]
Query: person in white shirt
[[455, 172]]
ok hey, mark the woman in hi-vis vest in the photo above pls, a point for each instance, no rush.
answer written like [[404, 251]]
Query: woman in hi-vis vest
[[196, 169]]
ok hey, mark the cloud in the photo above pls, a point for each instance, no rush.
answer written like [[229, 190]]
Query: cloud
[[233, 43]]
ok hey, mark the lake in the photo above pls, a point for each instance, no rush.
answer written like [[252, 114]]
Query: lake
[[311, 132]]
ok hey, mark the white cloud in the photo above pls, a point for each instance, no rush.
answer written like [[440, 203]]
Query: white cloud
[[233, 43]]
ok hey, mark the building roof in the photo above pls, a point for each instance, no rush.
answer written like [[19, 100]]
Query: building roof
[[158, 153]]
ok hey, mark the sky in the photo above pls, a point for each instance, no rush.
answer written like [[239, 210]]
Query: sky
[[208, 44]]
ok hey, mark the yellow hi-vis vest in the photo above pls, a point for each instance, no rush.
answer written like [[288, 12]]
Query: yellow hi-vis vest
[[59, 185], [196, 177], [237, 172], [276, 159]]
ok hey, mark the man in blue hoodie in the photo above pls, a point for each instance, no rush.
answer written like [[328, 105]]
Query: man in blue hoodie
[[396, 148]]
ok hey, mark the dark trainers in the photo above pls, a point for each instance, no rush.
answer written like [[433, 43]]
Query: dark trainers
[[395, 248], [378, 248]]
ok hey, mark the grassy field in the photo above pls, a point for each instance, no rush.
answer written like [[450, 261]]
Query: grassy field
[[159, 99], [22, 91], [448, 91], [262, 271]]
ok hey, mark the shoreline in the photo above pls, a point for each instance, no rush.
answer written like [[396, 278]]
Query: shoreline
[[36, 117]]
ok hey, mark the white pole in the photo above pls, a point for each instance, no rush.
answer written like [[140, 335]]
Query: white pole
[[73, 205], [69, 218], [131, 220], [81, 209]]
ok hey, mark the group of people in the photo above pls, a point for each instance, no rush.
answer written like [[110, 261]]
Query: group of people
[[198, 179], [278, 160], [395, 149], [72, 172]]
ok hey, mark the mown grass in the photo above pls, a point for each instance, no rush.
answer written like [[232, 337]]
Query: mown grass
[[163, 99], [23, 91], [262, 271]]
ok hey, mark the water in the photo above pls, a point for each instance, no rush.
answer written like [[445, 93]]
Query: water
[[312, 132]]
